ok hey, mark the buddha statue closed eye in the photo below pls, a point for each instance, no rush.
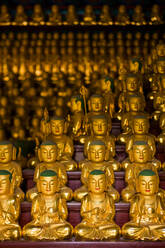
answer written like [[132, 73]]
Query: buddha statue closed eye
[[147, 211], [97, 210]]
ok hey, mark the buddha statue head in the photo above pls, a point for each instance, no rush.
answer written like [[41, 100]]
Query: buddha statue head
[[55, 9], [7, 152], [135, 103], [100, 126], [20, 10], [77, 104], [95, 103], [160, 49], [107, 84], [160, 64], [6, 183], [48, 183], [4, 9], [57, 125], [147, 183], [135, 65], [97, 182], [35, 122], [88, 10], [140, 153], [138, 9], [37, 10], [140, 124], [97, 152], [131, 83], [47, 152]]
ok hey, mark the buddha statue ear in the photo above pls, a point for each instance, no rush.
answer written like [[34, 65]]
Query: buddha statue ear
[[91, 128], [89, 105], [38, 186], [13, 183], [39, 155], [14, 153], [66, 127], [131, 157], [107, 155], [137, 184]]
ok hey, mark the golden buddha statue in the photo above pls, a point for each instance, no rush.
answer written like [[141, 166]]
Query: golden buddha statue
[[161, 137], [10, 207], [159, 99], [47, 154], [97, 155], [55, 17], [141, 158], [89, 17], [20, 17], [100, 130], [71, 16], [138, 16], [122, 16], [4, 15], [49, 211], [76, 119], [7, 162], [135, 106], [140, 128], [131, 86], [105, 17], [64, 143], [96, 107], [97, 210], [37, 16], [107, 85], [155, 16], [147, 210]]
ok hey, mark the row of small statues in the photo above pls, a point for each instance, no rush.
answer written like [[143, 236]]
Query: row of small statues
[[20, 40], [97, 196], [88, 18]]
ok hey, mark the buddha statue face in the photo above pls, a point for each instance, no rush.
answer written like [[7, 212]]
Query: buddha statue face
[[6, 152], [105, 84], [96, 152], [140, 152], [37, 9], [88, 10], [99, 126], [35, 122], [20, 10], [5, 182], [160, 49], [138, 9], [105, 9], [76, 104], [57, 127], [162, 82], [48, 185], [4, 9], [122, 9], [134, 65], [97, 183], [55, 9], [96, 103], [147, 183], [140, 125], [71, 9], [161, 66], [48, 153], [135, 103], [131, 84]]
